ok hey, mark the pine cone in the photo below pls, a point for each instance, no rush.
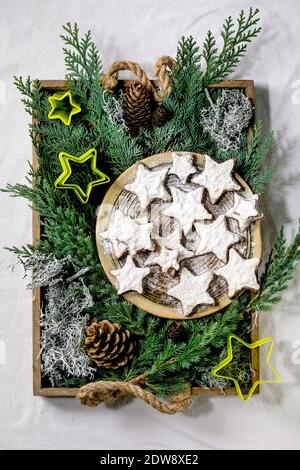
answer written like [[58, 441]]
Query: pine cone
[[136, 103], [109, 345], [175, 332], [160, 115]]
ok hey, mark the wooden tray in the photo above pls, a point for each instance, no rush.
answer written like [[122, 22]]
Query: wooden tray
[[38, 389]]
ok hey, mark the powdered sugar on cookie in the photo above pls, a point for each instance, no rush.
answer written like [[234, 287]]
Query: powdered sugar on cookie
[[183, 166], [239, 273], [244, 210], [192, 290], [215, 238], [149, 185], [216, 178], [186, 208], [128, 231], [130, 277]]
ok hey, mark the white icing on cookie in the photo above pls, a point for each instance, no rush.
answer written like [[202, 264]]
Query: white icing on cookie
[[239, 273], [215, 238], [165, 258], [183, 166], [216, 178], [119, 248], [186, 207], [149, 184], [192, 290], [130, 277], [172, 241], [244, 210], [129, 231]]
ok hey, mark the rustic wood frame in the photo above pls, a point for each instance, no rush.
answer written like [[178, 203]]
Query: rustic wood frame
[[38, 390]]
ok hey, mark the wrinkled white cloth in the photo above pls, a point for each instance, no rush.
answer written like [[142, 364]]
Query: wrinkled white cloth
[[142, 31]]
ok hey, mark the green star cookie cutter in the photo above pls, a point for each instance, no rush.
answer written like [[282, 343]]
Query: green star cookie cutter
[[61, 110], [228, 359], [62, 183]]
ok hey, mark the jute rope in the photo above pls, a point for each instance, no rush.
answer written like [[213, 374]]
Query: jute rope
[[161, 68], [98, 392], [110, 80]]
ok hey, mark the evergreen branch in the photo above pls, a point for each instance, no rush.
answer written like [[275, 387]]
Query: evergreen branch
[[210, 54], [23, 252], [212, 334], [279, 271], [81, 58], [32, 96], [55, 138], [169, 385], [249, 160], [122, 150], [150, 347], [163, 357], [44, 198], [183, 131], [123, 312], [235, 41]]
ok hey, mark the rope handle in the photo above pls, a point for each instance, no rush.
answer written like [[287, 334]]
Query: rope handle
[[162, 69], [110, 391]]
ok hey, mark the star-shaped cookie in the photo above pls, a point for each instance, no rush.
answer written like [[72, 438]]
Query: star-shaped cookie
[[165, 258], [216, 178], [119, 248], [149, 185], [135, 233], [215, 238], [192, 290], [239, 273], [172, 242], [183, 166], [130, 277], [186, 207], [244, 210]]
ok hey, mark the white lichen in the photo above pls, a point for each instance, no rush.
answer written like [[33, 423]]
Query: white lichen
[[45, 269], [63, 325], [225, 119], [114, 109], [63, 317], [204, 378]]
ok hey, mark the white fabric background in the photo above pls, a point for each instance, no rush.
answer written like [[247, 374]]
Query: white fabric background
[[142, 31]]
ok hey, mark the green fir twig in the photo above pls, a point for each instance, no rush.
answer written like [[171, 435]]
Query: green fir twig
[[235, 41], [279, 270], [81, 56]]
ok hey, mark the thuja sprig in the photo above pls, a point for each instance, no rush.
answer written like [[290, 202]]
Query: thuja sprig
[[279, 271], [235, 41], [32, 96], [250, 159], [81, 56]]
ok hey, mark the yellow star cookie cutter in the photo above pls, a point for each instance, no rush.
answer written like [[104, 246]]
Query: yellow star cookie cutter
[[59, 110], [61, 181], [229, 358]]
